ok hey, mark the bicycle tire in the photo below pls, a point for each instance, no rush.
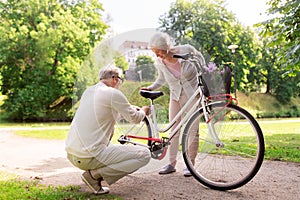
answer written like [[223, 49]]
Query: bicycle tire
[[235, 163], [142, 129], [149, 130]]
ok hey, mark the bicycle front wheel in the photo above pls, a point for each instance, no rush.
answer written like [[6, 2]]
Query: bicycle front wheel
[[227, 152]]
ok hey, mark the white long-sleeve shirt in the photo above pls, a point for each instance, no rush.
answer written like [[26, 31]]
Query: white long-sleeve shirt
[[187, 81], [93, 123]]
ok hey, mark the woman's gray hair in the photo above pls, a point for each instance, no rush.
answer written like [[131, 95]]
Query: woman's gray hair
[[109, 72], [160, 40]]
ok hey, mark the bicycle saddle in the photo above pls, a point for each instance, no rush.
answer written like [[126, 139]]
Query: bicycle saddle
[[151, 94]]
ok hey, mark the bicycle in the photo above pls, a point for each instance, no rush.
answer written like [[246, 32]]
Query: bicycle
[[229, 142]]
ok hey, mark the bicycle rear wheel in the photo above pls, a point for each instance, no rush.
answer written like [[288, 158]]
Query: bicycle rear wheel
[[141, 129], [138, 131], [230, 162]]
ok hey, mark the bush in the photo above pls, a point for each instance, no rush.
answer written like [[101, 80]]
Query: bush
[[284, 91]]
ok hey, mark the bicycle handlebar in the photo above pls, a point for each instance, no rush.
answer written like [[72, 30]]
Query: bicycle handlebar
[[200, 63], [182, 56]]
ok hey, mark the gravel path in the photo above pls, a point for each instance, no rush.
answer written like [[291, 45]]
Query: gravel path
[[46, 160]]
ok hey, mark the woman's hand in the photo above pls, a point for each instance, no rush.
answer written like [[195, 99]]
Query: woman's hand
[[145, 88]]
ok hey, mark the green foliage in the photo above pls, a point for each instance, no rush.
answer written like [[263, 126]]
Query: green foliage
[[145, 66], [102, 55], [121, 62], [208, 26], [45, 47], [267, 106], [211, 28], [258, 104], [284, 33], [280, 61], [284, 90], [270, 72], [42, 44]]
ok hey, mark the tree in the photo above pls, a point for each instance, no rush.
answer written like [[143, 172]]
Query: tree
[[121, 62], [145, 67], [282, 35], [211, 28], [284, 32], [267, 70], [42, 45]]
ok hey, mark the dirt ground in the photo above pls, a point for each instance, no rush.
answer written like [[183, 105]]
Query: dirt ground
[[46, 160]]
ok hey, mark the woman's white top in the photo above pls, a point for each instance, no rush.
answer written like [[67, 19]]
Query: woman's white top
[[187, 80]]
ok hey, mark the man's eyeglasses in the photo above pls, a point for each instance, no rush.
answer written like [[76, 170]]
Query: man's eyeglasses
[[122, 79]]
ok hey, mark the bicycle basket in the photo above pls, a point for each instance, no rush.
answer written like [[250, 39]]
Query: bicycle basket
[[217, 80]]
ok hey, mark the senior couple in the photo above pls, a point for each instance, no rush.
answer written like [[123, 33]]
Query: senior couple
[[88, 143]]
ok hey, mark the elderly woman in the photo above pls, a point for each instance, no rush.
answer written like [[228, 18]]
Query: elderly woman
[[181, 77]]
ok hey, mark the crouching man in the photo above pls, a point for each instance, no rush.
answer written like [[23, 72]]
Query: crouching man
[[88, 143]]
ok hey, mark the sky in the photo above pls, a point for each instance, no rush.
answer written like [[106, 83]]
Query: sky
[[129, 15]]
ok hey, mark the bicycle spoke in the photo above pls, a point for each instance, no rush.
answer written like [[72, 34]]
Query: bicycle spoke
[[228, 157]]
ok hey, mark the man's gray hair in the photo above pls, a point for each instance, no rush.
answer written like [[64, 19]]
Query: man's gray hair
[[109, 72], [160, 40]]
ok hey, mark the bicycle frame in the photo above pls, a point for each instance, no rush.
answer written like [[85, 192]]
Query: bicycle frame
[[156, 129], [200, 101], [228, 155]]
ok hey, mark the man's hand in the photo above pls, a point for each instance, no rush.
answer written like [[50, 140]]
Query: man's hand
[[146, 109]]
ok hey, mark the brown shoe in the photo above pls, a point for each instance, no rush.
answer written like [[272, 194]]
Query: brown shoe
[[93, 184]]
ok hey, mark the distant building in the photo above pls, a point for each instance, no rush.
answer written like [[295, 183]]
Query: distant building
[[133, 49]]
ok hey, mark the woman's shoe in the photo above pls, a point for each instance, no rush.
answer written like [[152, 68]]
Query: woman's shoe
[[186, 172], [167, 169]]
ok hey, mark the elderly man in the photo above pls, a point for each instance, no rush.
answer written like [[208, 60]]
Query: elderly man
[[88, 142]]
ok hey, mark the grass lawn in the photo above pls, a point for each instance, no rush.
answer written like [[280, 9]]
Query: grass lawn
[[282, 141], [282, 137], [12, 188]]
